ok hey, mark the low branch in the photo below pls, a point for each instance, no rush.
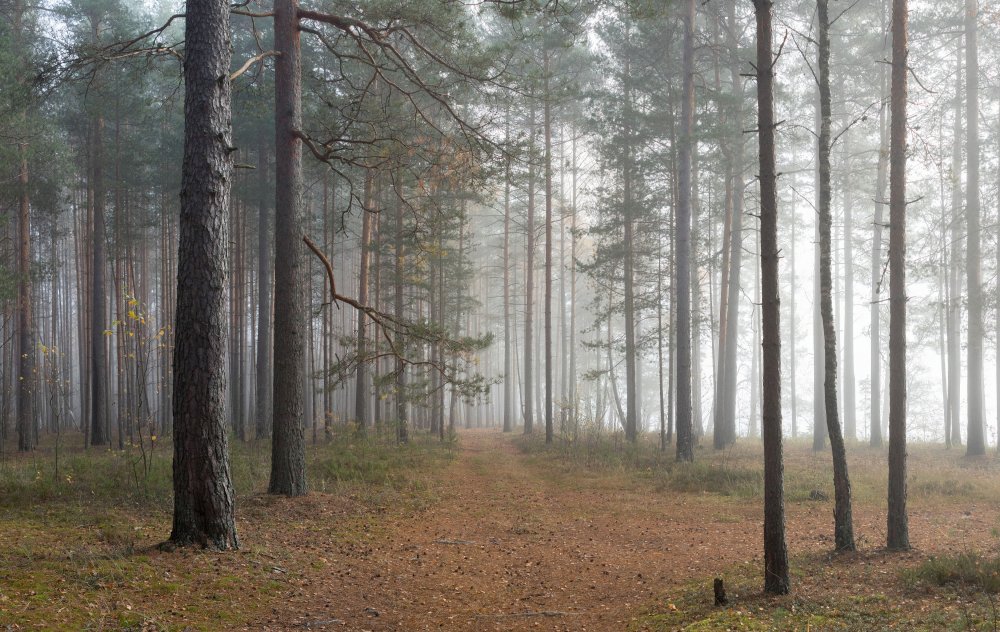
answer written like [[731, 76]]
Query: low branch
[[253, 60]]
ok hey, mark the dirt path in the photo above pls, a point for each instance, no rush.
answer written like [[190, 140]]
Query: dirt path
[[509, 545], [509, 548]]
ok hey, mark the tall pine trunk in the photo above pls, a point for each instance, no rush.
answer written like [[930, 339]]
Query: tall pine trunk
[[976, 438], [898, 537], [682, 271], [264, 310], [203, 492], [25, 326], [288, 474], [843, 522], [776, 579]]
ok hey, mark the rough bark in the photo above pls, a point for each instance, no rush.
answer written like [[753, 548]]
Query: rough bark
[[776, 579], [288, 474], [897, 532], [203, 492]]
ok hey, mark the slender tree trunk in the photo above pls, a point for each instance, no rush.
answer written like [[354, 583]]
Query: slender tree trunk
[[508, 377], [361, 394], [976, 437], [819, 350], [547, 124], [25, 324], [729, 360], [954, 317], [898, 537], [843, 521], [203, 492], [529, 287], [402, 429], [850, 399], [98, 344], [875, 431], [628, 243], [682, 272], [573, 393], [776, 580], [288, 475], [263, 377]]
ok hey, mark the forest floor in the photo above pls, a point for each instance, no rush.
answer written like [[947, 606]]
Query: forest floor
[[503, 534]]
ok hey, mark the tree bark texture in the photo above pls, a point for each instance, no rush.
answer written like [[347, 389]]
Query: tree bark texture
[[898, 537], [203, 491], [776, 579], [288, 474]]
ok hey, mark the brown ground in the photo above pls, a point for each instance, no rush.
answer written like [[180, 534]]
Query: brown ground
[[497, 540], [512, 544]]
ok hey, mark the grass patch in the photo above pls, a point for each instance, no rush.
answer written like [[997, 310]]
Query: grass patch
[[849, 594], [77, 545], [969, 570], [936, 473]]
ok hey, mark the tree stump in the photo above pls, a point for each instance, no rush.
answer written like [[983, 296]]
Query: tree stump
[[720, 592]]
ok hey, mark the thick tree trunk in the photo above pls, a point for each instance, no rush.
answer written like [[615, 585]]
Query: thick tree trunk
[[975, 435], [898, 537], [843, 521], [288, 472], [682, 271], [203, 492], [776, 580]]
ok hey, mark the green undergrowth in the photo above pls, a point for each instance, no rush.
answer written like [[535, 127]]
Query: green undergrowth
[[140, 478], [737, 471], [78, 546]]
